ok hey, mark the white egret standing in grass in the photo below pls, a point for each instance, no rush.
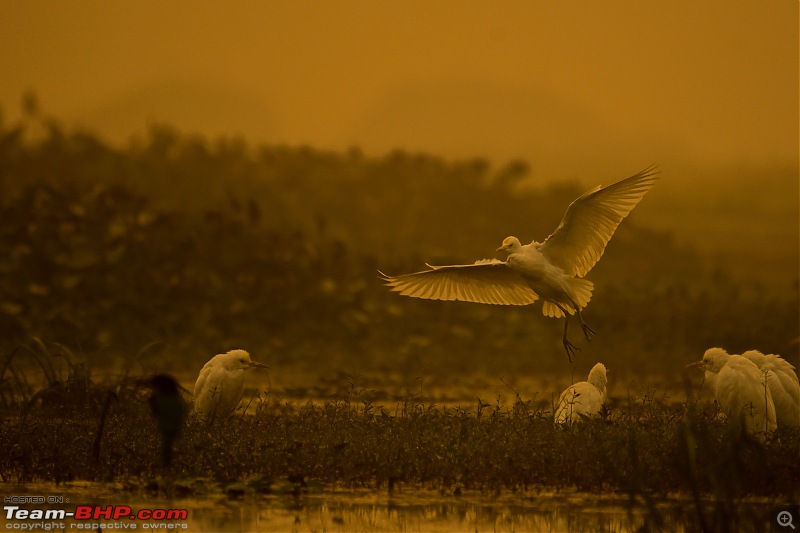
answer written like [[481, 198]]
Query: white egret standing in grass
[[219, 386], [583, 399], [552, 270], [782, 384], [741, 392]]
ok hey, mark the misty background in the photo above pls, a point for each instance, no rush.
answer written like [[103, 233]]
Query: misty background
[[206, 178]]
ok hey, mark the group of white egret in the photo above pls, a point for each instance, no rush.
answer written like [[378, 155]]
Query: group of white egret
[[553, 270], [756, 392]]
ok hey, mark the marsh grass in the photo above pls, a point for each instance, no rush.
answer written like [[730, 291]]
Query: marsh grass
[[647, 446]]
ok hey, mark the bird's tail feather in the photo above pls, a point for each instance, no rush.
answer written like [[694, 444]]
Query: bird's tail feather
[[580, 292]]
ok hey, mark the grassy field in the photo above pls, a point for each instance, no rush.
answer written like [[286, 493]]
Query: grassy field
[[643, 445]]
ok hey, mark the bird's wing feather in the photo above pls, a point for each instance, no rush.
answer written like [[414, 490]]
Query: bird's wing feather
[[778, 364], [201, 379], [488, 281], [231, 386], [591, 220], [590, 399], [579, 400], [789, 385]]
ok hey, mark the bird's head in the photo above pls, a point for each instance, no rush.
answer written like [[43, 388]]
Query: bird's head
[[163, 384], [240, 360], [510, 245], [713, 360], [597, 377]]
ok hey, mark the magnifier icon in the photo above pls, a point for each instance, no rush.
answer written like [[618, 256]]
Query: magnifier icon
[[785, 519]]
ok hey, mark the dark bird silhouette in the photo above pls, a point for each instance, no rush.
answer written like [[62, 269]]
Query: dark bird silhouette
[[169, 409]]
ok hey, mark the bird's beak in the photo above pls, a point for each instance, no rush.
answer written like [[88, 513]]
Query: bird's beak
[[503, 247], [696, 364], [257, 365]]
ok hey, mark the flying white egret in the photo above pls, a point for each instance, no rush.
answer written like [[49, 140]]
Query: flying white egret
[[219, 386], [741, 392], [552, 270], [782, 384], [583, 399]]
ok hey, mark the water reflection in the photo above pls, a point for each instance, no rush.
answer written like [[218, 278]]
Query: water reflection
[[349, 512], [406, 510]]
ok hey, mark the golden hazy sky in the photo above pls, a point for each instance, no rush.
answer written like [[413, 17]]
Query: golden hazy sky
[[571, 87]]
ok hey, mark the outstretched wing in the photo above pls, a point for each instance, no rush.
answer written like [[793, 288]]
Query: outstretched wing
[[485, 282], [590, 221]]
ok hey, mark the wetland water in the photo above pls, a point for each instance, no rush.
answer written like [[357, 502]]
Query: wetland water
[[335, 510]]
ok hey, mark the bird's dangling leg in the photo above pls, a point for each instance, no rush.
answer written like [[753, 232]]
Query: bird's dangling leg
[[568, 346], [587, 331]]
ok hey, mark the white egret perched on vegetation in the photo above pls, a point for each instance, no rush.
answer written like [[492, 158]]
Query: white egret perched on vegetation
[[219, 386], [583, 399], [741, 392], [782, 384], [551, 270]]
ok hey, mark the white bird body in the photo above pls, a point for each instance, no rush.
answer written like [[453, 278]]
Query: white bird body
[[219, 386], [552, 270], [741, 392], [584, 399], [782, 384], [559, 290]]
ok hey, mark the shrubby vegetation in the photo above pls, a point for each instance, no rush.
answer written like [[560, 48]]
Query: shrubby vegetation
[[648, 449], [200, 246]]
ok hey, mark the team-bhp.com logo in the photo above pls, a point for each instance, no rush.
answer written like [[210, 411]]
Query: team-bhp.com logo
[[121, 514]]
